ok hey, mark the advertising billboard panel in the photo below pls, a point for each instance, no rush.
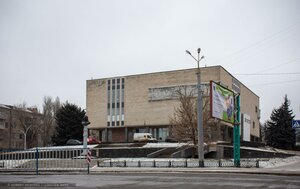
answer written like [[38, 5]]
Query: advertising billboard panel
[[222, 103]]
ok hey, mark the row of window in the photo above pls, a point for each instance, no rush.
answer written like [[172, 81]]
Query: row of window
[[115, 123], [115, 102], [113, 105]]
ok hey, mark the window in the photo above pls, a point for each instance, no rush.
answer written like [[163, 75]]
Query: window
[[253, 125], [113, 95], [118, 95], [108, 85], [256, 109], [2, 125], [108, 97], [118, 83], [123, 81], [20, 136]]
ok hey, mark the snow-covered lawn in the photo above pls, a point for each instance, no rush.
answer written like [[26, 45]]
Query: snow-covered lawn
[[64, 147], [276, 162], [163, 145]]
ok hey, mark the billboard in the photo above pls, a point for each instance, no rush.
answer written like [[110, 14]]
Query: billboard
[[221, 102]]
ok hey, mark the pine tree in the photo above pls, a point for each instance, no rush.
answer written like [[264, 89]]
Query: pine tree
[[68, 119], [279, 131]]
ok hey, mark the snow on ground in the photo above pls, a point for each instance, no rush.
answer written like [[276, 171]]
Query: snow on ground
[[8, 164], [64, 147], [276, 162], [148, 145], [163, 145], [145, 159]]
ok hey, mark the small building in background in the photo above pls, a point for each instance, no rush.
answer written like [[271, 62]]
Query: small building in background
[[14, 121], [118, 107]]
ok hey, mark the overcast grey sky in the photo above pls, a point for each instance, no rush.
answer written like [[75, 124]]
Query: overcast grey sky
[[51, 47]]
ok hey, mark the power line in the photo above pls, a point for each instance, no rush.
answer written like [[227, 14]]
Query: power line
[[260, 42], [273, 83], [271, 74], [276, 66]]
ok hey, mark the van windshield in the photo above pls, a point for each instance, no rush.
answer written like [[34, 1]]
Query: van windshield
[[148, 136]]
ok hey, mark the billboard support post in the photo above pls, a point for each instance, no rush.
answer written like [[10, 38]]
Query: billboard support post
[[236, 134]]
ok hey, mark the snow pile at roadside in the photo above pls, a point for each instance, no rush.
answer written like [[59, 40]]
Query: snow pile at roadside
[[163, 145], [64, 147], [145, 159], [276, 162]]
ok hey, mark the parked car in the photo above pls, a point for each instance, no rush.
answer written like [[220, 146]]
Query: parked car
[[93, 140], [73, 142], [143, 137]]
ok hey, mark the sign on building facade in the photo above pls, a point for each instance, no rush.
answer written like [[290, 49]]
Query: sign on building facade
[[246, 124]]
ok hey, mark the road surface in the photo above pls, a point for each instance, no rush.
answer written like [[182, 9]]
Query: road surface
[[151, 181]]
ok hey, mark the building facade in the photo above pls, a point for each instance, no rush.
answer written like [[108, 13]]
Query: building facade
[[13, 124], [118, 107]]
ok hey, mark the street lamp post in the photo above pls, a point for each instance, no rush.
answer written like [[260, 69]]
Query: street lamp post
[[25, 136], [85, 122], [199, 109]]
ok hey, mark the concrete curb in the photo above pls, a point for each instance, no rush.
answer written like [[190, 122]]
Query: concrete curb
[[127, 170], [196, 170]]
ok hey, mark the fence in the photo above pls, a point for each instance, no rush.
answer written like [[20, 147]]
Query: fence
[[72, 159], [44, 160], [173, 163]]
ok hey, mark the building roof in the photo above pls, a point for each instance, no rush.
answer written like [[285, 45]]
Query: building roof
[[10, 107]]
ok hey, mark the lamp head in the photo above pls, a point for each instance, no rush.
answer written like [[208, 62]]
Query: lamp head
[[199, 50], [188, 52]]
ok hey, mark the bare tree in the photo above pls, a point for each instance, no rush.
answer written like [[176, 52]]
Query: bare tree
[[210, 126], [56, 106], [27, 121], [184, 120], [47, 129]]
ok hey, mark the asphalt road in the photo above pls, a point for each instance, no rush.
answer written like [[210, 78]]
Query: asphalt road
[[151, 181]]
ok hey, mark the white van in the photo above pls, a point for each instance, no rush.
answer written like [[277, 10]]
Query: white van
[[143, 137]]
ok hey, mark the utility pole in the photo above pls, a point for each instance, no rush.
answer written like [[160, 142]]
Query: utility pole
[[199, 110]]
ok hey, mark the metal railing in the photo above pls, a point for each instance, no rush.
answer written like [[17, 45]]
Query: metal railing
[[62, 159], [173, 163], [44, 160]]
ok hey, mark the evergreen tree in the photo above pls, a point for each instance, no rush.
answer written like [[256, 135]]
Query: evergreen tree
[[279, 131], [68, 119]]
